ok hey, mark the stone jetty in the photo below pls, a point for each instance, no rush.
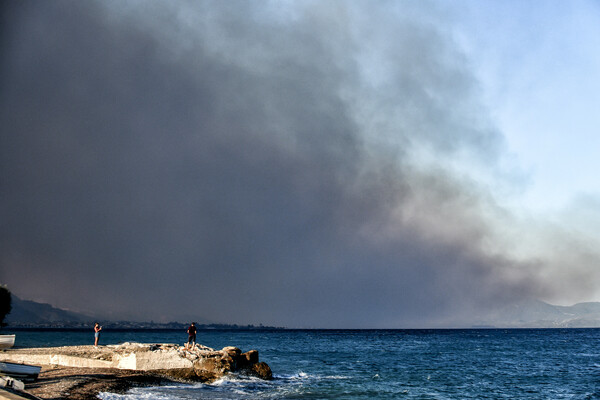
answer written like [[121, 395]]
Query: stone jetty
[[199, 363]]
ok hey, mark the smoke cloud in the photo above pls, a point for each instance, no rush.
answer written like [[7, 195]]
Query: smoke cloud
[[299, 164]]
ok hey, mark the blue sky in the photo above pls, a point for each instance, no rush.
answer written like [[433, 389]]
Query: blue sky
[[539, 71]]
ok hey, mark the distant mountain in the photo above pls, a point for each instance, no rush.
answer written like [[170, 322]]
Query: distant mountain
[[31, 314], [526, 314], [538, 314], [25, 312]]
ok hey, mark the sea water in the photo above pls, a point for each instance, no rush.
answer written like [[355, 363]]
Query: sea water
[[381, 364]]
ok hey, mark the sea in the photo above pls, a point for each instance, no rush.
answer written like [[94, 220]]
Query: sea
[[379, 364]]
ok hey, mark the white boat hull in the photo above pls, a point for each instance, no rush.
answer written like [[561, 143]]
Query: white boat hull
[[11, 383], [7, 341], [23, 372]]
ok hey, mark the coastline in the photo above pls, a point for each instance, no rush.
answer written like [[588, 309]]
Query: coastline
[[81, 372], [73, 383]]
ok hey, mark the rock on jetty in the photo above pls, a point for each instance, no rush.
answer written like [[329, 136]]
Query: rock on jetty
[[170, 360]]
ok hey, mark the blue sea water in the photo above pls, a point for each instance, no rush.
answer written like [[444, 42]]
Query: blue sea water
[[382, 364]]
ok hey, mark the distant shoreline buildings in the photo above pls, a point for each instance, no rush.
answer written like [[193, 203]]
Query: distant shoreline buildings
[[127, 325]]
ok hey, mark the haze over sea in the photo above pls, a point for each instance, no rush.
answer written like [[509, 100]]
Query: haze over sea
[[383, 364]]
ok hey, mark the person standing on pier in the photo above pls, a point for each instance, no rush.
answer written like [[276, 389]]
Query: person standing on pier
[[97, 329], [191, 331]]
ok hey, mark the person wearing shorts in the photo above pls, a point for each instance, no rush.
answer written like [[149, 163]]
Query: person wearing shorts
[[191, 336], [97, 329]]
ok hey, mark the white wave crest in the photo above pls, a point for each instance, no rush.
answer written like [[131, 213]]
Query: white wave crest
[[135, 395]]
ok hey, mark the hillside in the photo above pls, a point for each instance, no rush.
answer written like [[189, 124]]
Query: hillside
[[30, 312], [526, 314], [538, 314]]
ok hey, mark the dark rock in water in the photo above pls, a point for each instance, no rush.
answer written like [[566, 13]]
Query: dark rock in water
[[262, 370], [246, 362], [251, 356], [233, 352]]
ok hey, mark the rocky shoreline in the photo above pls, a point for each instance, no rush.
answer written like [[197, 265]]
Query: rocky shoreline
[[81, 372], [71, 383]]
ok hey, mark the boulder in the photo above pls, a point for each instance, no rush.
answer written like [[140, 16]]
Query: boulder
[[251, 356], [262, 370]]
